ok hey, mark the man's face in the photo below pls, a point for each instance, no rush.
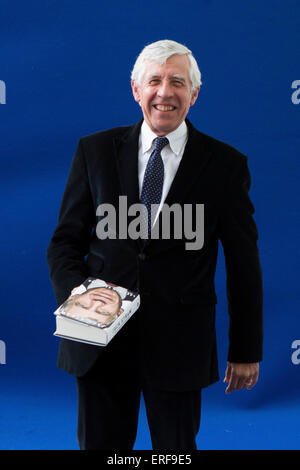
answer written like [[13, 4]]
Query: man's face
[[165, 94], [100, 304]]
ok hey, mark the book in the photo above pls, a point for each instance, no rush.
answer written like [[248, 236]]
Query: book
[[95, 312]]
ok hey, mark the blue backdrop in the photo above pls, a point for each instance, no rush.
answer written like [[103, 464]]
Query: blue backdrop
[[65, 72]]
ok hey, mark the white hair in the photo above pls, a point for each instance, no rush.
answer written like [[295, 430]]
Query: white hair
[[160, 51]]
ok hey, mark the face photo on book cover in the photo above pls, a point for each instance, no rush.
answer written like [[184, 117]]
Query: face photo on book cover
[[102, 305]]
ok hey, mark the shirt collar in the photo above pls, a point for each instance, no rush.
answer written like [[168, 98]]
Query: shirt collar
[[176, 138]]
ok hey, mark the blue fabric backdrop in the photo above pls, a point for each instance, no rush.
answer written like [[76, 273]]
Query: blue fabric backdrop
[[65, 72]]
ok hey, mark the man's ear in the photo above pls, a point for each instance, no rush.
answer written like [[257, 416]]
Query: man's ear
[[194, 96], [135, 91]]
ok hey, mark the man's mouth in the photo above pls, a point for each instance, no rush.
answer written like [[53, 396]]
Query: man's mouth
[[161, 107]]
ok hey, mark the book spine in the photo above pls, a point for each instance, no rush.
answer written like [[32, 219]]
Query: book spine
[[123, 318]]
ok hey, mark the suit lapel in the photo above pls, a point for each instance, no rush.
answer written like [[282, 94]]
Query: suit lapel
[[126, 151], [193, 162], [191, 166]]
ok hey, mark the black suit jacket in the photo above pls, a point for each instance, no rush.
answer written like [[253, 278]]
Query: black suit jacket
[[172, 336]]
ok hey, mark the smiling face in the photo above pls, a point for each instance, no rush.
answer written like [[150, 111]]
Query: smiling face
[[165, 93]]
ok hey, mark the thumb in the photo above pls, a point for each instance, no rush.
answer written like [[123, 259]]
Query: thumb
[[227, 373], [73, 290]]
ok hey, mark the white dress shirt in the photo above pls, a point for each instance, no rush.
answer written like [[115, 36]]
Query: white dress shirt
[[171, 155]]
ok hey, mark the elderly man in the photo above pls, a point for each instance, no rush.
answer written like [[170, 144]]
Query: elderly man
[[167, 350]]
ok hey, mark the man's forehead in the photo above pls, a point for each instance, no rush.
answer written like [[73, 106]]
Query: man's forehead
[[154, 74], [176, 67]]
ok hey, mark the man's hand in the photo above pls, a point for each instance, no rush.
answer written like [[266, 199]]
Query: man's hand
[[239, 376], [73, 290]]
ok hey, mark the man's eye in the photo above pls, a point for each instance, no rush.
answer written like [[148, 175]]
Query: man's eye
[[101, 312], [78, 304], [178, 83], [154, 82]]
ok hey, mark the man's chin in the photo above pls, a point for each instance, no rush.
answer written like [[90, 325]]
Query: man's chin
[[164, 129]]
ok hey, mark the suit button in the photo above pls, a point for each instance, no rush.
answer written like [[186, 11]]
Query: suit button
[[142, 256]]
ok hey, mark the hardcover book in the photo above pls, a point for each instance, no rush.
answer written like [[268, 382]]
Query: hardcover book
[[95, 312]]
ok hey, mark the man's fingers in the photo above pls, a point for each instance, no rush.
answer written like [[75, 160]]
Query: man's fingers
[[227, 374], [233, 384], [248, 383], [241, 376], [251, 381], [74, 289], [238, 383]]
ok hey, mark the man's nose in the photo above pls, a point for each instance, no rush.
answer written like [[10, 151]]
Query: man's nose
[[165, 90], [96, 304]]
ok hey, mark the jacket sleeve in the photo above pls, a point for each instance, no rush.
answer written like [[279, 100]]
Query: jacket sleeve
[[70, 241], [238, 234]]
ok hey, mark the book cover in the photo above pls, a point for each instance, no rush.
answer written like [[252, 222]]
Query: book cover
[[95, 312]]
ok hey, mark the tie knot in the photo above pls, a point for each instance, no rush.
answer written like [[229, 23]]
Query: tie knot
[[160, 143]]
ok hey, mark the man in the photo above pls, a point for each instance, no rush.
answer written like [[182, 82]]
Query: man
[[101, 304], [167, 349]]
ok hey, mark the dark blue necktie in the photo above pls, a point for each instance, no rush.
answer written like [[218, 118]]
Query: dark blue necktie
[[153, 184]]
